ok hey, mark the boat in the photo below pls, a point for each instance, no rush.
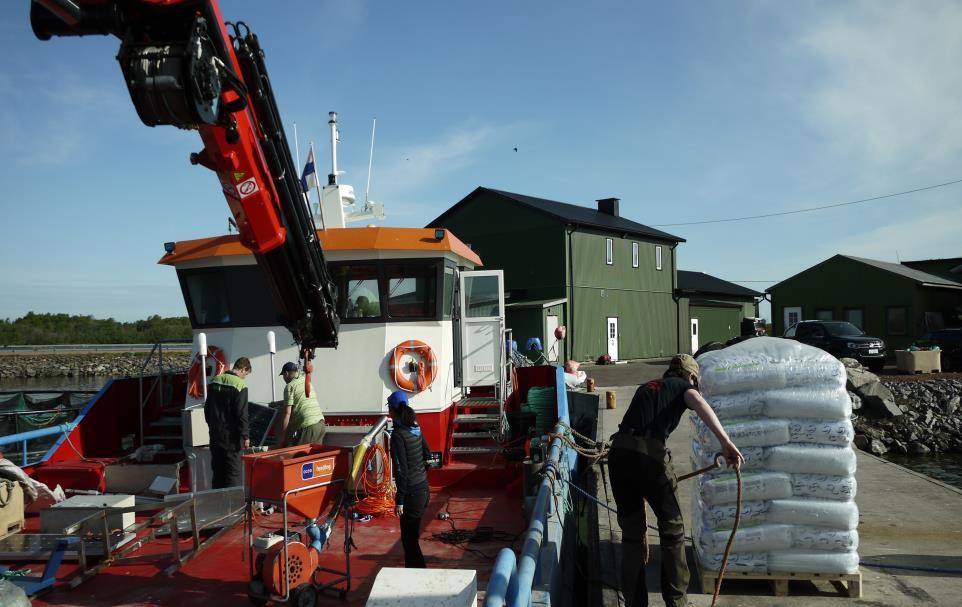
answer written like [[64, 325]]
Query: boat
[[417, 313]]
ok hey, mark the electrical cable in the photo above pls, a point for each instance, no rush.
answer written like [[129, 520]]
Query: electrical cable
[[379, 498], [810, 209]]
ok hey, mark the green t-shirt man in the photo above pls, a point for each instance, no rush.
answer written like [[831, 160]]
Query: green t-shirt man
[[299, 411]]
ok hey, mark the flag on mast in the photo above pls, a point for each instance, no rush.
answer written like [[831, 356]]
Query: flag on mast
[[309, 174]]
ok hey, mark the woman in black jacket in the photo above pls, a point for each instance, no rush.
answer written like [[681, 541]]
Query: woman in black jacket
[[410, 454]]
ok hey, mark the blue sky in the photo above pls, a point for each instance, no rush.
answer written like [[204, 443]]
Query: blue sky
[[685, 111]]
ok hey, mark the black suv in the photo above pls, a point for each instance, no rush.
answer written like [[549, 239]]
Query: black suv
[[950, 342], [842, 339]]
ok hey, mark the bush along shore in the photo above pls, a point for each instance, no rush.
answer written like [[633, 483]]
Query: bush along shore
[[907, 417], [84, 364]]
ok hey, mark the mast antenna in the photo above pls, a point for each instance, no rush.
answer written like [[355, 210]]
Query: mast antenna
[[370, 161]]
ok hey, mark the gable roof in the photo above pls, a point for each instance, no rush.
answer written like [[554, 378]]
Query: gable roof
[[569, 213], [920, 277], [917, 276], [705, 283]]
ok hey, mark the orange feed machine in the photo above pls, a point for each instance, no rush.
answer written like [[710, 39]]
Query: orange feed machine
[[311, 476]]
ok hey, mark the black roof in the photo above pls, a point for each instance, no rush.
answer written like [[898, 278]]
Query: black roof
[[700, 282], [570, 213]]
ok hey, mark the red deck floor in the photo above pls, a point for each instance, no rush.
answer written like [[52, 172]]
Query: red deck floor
[[218, 576]]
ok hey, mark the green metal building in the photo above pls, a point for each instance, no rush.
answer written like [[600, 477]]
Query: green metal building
[[711, 309], [609, 280], [895, 302]]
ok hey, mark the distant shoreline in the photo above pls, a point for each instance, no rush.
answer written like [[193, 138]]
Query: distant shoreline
[[86, 363]]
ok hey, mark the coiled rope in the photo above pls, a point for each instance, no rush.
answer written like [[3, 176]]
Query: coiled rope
[[379, 498]]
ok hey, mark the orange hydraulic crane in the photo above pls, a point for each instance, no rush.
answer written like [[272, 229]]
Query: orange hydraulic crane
[[184, 66]]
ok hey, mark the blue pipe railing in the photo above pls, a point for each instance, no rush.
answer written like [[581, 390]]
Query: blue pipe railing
[[24, 437], [512, 581]]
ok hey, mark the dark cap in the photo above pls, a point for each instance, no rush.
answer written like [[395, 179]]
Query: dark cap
[[288, 368]]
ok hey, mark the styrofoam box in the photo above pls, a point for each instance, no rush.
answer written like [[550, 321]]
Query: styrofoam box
[[79, 507]]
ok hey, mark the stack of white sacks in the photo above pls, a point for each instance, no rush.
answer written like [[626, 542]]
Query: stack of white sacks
[[785, 406]]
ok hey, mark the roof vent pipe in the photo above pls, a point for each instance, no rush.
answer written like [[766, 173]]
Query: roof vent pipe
[[609, 206]]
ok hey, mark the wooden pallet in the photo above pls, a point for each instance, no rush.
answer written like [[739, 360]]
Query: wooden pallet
[[849, 584]]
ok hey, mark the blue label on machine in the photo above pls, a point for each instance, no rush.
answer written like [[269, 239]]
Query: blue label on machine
[[307, 471]]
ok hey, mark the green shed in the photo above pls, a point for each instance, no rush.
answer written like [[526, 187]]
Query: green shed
[[618, 277], [892, 301], [712, 309]]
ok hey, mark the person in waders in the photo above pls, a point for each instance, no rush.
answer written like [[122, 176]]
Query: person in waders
[[410, 455], [641, 469]]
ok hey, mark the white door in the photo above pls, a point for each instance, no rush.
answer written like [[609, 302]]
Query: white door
[[694, 335], [613, 338], [792, 316], [482, 327], [551, 340]]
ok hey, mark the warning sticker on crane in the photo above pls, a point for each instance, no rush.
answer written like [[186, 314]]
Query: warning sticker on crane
[[238, 175], [246, 188]]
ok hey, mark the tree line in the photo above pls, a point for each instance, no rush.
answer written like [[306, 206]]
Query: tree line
[[38, 329]]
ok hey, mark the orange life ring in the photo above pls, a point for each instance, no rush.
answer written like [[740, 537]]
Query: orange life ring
[[195, 377], [427, 366]]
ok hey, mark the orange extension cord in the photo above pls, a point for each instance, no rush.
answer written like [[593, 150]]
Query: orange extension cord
[[379, 500]]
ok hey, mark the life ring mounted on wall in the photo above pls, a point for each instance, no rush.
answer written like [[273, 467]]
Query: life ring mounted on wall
[[426, 367], [195, 378]]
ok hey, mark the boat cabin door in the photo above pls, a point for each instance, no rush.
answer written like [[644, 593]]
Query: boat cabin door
[[482, 327]]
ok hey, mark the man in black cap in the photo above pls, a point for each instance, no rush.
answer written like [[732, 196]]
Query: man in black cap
[[301, 420], [641, 469]]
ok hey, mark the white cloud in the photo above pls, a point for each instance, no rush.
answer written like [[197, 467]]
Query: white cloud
[[887, 84], [927, 235]]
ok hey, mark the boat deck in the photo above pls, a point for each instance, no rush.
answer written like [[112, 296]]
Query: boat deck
[[219, 576]]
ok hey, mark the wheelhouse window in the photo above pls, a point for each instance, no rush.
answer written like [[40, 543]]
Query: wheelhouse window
[[391, 290], [411, 291], [447, 295], [658, 257], [358, 293], [896, 321], [634, 254], [228, 296], [609, 251]]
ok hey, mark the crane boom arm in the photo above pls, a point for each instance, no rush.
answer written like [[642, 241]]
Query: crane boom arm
[[185, 67]]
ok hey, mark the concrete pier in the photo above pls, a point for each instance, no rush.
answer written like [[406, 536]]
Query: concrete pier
[[906, 519]]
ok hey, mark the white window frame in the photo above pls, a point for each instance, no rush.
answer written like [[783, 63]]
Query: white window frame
[[657, 257], [609, 251], [634, 254]]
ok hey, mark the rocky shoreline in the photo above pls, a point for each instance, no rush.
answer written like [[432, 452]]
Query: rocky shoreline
[[905, 417], [86, 364]]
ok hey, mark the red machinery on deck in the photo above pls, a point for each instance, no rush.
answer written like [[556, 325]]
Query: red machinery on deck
[[306, 480]]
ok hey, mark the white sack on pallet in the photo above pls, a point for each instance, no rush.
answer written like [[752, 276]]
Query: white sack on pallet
[[766, 363], [821, 432], [745, 562], [792, 561], [809, 537], [809, 511], [747, 432], [722, 488], [819, 403], [824, 486], [722, 516], [801, 458]]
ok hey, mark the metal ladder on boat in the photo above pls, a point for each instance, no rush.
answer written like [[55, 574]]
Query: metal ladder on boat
[[480, 425]]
